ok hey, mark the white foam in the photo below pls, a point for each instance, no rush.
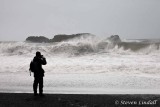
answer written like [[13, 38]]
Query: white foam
[[104, 71], [82, 83]]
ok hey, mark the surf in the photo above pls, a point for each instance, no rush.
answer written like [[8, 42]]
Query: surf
[[80, 46]]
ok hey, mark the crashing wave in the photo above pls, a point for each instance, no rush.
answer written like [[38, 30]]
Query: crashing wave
[[78, 46]]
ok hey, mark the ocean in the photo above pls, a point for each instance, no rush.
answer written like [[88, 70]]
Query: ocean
[[85, 65]]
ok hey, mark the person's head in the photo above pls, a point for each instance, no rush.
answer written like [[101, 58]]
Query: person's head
[[38, 54]]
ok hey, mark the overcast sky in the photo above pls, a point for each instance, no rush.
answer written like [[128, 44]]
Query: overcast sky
[[127, 18]]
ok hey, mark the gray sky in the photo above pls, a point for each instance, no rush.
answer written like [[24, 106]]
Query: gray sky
[[127, 18]]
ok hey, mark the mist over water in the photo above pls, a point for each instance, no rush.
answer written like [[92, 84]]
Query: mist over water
[[84, 63], [85, 55], [81, 46]]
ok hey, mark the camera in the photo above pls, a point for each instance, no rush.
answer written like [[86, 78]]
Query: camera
[[42, 57]]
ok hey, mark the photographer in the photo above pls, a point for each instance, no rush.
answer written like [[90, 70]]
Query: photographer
[[38, 61]]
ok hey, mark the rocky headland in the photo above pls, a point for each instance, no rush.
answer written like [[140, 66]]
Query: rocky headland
[[56, 38]]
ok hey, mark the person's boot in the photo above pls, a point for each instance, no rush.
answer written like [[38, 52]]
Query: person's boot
[[35, 94], [41, 94]]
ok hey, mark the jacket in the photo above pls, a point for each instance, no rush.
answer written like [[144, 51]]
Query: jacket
[[39, 72]]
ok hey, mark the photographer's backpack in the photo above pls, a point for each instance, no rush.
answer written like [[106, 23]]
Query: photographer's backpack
[[33, 66]]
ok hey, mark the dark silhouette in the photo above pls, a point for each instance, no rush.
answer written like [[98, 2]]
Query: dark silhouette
[[57, 38], [38, 71], [64, 37], [37, 39]]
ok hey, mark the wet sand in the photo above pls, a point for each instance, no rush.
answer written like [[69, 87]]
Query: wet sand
[[78, 100]]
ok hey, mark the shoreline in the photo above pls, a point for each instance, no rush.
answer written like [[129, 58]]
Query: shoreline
[[83, 91], [78, 100], [81, 84]]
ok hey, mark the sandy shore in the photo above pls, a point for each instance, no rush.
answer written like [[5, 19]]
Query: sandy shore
[[78, 100]]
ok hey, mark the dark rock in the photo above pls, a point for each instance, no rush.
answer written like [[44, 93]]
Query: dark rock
[[37, 39], [57, 38], [64, 37], [110, 42], [114, 39]]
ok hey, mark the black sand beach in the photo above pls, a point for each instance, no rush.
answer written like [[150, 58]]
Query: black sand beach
[[78, 100]]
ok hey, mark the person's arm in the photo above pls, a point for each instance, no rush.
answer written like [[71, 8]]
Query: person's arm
[[44, 62]]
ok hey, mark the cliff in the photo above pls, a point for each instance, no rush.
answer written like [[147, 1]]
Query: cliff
[[56, 38], [63, 37], [37, 39]]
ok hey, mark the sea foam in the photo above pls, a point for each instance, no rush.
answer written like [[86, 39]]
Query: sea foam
[[80, 46]]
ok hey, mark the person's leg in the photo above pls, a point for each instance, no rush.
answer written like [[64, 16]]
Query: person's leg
[[41, 86], [35, 84]]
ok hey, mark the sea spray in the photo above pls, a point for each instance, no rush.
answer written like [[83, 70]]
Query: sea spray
[[80, 46]]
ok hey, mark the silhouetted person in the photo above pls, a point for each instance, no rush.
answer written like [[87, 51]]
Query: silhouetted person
[[38, 71]]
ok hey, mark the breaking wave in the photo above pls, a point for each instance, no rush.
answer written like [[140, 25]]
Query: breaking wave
[[79, 46]]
